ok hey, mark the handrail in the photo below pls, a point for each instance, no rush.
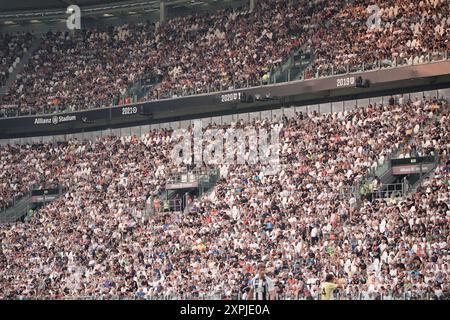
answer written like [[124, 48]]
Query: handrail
[[109, 103], [62, 12], [408, 295], [190, 176], [391, 190]]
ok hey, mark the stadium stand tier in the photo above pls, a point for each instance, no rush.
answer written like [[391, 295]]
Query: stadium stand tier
[[305, 221], [347, 175], [225, 50]]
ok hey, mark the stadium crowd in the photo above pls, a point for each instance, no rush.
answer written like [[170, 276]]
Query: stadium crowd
[[226, 49], [94, 67], [83, 70], [409, 32], [302, 222]]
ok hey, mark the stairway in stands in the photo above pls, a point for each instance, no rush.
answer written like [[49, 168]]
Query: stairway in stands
[[20, 66], [395, 186], [181, 186], [293, 66], [36, 197], [17, 211]]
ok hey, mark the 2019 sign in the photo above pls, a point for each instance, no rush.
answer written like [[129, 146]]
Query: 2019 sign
[[345, 82]]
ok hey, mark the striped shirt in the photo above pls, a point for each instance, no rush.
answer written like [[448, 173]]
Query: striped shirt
[[261, 287]]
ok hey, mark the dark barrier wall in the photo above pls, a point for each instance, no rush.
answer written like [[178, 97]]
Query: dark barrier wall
[[382, 82], [415, 160]]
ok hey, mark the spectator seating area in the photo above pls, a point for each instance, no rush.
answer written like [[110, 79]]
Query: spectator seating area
[[302, 222], [226, 49]]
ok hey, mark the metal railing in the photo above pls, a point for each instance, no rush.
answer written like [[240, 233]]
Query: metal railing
[[391, 190], [172, 205], [408, 295], [234, 85], [195, 175], [182, 177]]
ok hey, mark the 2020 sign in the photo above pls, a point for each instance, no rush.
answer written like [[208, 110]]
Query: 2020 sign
[[129, 110]]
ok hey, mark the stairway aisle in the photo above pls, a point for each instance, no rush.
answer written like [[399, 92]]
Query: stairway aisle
[[21, 65]]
